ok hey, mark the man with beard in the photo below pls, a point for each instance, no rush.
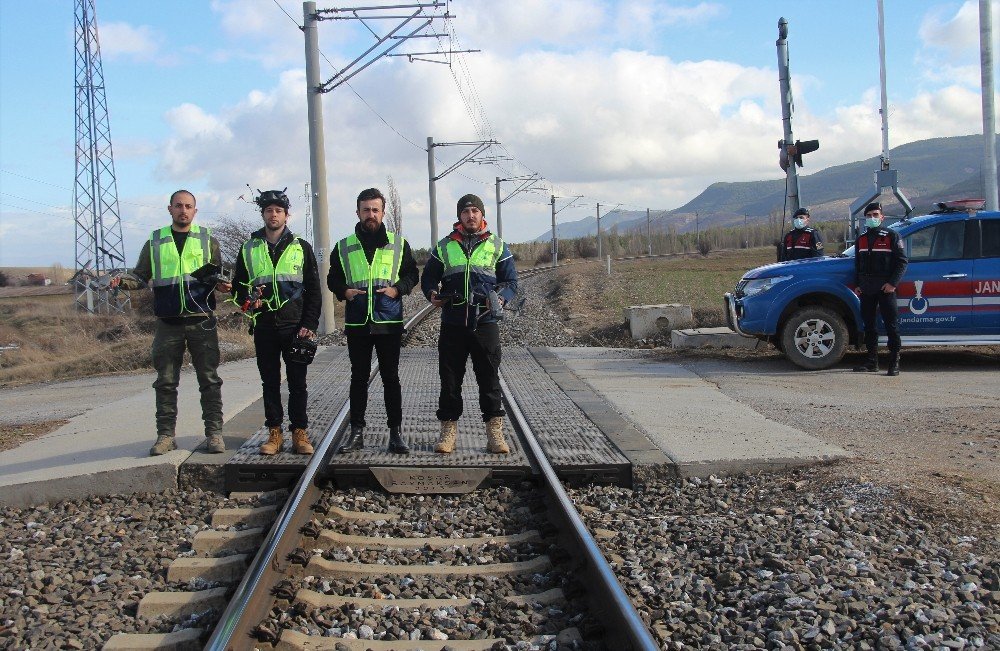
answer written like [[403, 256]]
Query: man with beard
[[184, 306], [464, 272], [277, 279], [372, 270]]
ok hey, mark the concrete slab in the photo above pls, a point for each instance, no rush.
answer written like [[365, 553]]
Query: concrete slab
[[713, 337], [104, 449], [703, 431]]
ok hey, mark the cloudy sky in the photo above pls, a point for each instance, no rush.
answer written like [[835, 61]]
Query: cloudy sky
[[640, 103]]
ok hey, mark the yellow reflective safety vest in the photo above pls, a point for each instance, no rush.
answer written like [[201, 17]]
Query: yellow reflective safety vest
[[275, 284], [464, 274], [175, 292], [382, 272]]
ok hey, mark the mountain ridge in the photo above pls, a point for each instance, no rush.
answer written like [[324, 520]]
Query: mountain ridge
[[931, 170]]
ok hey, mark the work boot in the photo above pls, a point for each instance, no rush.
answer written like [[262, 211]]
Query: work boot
[[215, 444], [396, 443], [164, 443], [274, 441], [355, 442], [449, 432], [893, 364], [495, 441], [300, 441], [870, 365]]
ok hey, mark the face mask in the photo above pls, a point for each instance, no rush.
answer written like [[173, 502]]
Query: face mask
[[873, 222], [799, 222]]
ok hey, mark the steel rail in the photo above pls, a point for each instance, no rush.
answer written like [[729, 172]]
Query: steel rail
[[245, 605], [627, 629]]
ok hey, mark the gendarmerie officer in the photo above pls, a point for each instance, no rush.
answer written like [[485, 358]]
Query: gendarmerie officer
[[802, 241], [879, 264]]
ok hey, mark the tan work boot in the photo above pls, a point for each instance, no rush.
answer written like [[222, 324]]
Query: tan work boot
[[274, 441], [300, 441], [449, 431], [495, 441], [215, 444], [164, 443]]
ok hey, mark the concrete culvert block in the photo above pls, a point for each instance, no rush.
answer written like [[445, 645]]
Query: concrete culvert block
[[645, 321]]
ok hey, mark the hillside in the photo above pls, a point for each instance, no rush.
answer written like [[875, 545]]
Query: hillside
[[929, 171]]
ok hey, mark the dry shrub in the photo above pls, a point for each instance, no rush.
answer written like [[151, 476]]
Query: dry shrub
[[56, 341]]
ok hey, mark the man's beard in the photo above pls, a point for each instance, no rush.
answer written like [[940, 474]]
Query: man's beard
[[370, 225], [472, 230]]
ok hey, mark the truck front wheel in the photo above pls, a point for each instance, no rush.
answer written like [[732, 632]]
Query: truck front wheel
[[814, 338]]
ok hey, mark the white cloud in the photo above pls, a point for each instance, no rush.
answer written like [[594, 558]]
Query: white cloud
[[139, 43], [954, 34], [259, 31]]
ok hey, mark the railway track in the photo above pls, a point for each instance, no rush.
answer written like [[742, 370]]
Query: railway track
[[331, 570], [371, 570]]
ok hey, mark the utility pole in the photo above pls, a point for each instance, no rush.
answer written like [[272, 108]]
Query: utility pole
[[432, 192], [317, 162], [307, 206], [527, 182], [432, 178], [697, 231], [554, 246], [314, 90], [649, 235], [989, 114], [555, 240], [600, 255], [746, 233]]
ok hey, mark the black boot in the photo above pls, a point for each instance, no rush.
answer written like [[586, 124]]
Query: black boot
[[893, 364], [870, 365], [396, 443], [355, 442]]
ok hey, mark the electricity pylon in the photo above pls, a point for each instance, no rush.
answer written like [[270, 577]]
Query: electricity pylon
[[99, 247]]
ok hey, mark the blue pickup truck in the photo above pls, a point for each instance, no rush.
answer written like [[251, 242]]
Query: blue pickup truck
[[949, 296]]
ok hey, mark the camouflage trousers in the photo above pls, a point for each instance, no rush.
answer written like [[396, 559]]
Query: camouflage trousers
[[201, 339]]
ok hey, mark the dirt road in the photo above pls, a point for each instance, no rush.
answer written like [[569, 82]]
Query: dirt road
[[933, 432]]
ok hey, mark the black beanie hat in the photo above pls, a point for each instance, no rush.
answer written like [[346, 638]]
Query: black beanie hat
[[471, 200], [875, 205], [801, 211]]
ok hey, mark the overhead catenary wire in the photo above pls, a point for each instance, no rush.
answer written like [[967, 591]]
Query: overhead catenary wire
[[476, 111]]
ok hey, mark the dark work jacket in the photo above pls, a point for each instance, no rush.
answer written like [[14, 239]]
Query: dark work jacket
[[879, 258], [467, 315], [409, 275], [302, 312], [800, 243]]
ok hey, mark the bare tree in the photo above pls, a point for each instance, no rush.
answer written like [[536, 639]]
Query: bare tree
[[232, 231], [393, 208]]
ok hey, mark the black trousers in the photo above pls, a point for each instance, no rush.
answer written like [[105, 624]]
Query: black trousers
[[273, 345], [359, 349], [455, 345], [873, 299]]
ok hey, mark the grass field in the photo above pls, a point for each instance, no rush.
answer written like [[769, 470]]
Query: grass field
[[593, 301], [46, 341]]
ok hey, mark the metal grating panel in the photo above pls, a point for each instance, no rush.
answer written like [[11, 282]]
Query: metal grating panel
[[329, 384], [418, 373], [565, 433]]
